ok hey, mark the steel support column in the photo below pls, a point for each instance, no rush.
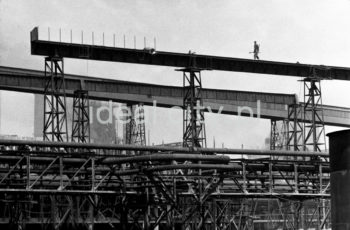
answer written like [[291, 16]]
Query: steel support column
[[81, 121], [55, 116], [193, 114], [294, 128], [314, 132]]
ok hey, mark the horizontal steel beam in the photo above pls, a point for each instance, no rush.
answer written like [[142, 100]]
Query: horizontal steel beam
[[147, 57], [272, 106], [168, 157]]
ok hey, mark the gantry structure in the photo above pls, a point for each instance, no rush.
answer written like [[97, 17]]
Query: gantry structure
[[55, 184]]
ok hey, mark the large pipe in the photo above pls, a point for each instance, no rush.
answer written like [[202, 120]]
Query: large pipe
[[158, 148], [192, 166], [339, 148], [167, 157]]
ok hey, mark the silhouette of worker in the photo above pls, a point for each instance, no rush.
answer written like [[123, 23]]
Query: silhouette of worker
[[256, 51]]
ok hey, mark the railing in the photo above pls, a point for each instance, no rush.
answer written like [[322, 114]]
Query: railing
[[92, 38]]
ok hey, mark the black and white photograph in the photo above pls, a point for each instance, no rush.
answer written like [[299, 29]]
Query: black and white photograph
[[174, 115]]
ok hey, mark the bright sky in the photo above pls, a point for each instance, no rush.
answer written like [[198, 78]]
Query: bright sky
[[313, 31]]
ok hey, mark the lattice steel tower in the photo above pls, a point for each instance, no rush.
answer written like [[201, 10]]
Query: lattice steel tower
[[55, 115], [294, 127], [314, 131], [81, 121], [193, 114]]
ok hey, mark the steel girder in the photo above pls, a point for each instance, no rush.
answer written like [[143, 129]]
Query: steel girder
[[179, 60]]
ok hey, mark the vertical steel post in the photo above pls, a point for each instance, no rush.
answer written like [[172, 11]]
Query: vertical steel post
[[296, 182], [270, 178], [244, 172], [28, 171]]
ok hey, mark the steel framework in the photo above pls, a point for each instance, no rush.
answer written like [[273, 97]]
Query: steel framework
[[193, 115], [295, 132], [49, 185], [314, 132], [81, 118], [55, 117], [165, 188]]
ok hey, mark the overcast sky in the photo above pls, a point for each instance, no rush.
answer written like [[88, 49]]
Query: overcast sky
[[313, 31]]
